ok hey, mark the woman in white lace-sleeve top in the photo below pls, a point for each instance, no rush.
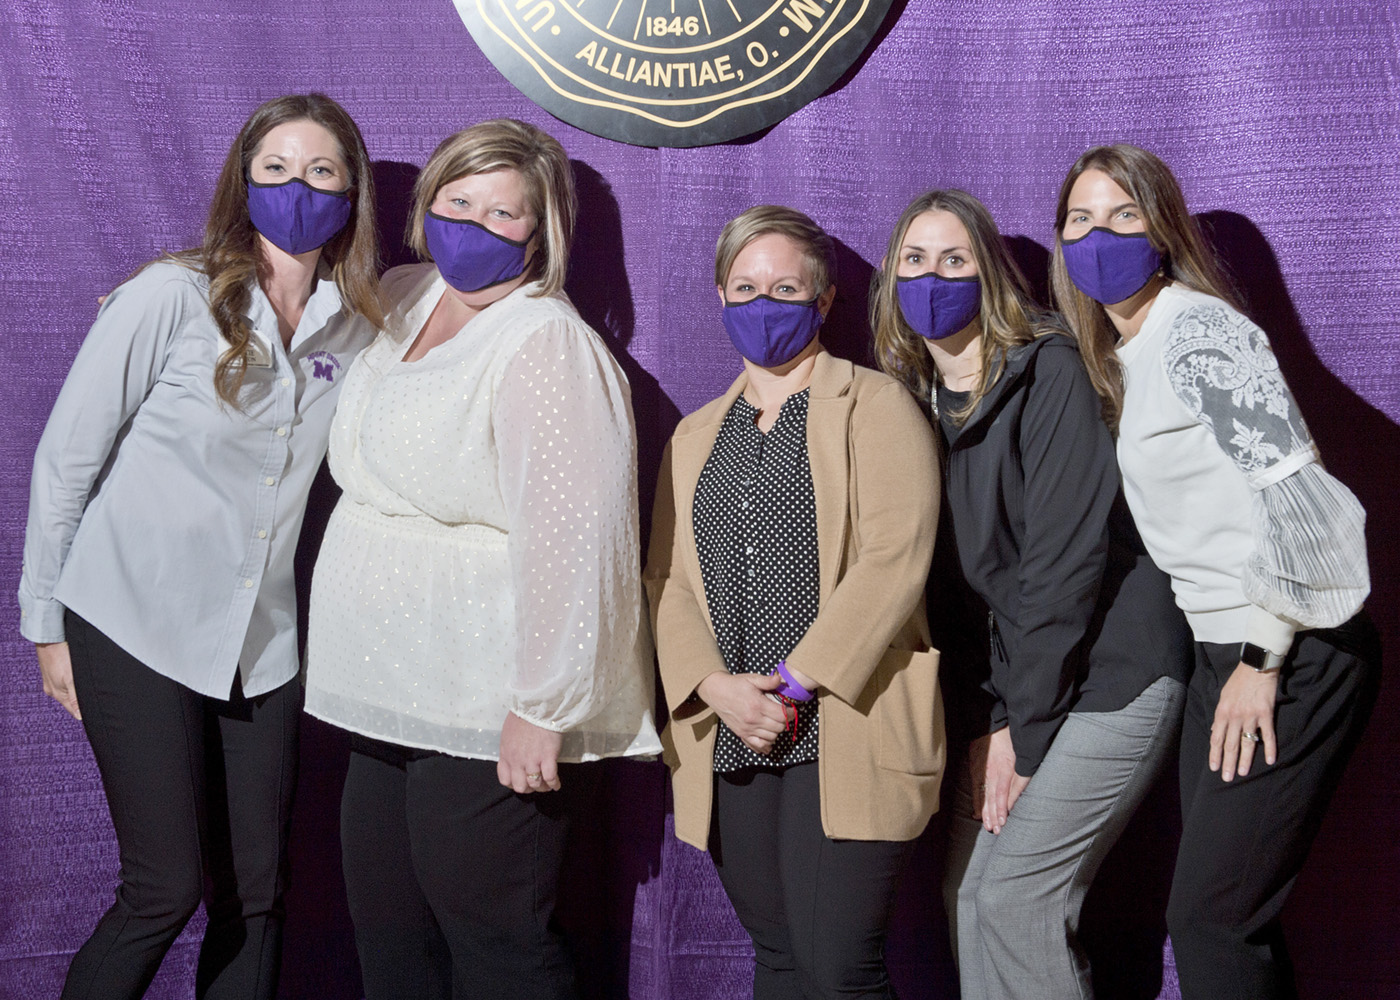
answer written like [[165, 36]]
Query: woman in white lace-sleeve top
[[1266, 552], [476, 615]]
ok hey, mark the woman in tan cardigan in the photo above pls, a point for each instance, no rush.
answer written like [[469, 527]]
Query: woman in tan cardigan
[[791, 540]]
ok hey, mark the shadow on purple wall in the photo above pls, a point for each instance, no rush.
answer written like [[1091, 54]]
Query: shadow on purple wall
[[892, 17], [1034, 262], [846, 332], [393, 191], [600, 289]]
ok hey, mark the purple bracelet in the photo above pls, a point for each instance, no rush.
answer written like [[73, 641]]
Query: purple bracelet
[[791, 689]]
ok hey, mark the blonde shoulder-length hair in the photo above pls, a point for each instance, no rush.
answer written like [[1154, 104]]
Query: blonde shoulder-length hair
[[817, 248], [1186, 258], [507, 144], [1008, 317]]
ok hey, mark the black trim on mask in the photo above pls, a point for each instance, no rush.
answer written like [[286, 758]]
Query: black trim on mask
[[488, 229], [1104, 229], [787, 302], [916, 277], [297, 180]]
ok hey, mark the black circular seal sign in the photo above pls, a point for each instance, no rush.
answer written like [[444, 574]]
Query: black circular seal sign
[[672, 72]]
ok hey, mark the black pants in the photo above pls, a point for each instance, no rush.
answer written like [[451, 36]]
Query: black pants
[[816, 908], [452, 877], [1243, 842], [197, 787]]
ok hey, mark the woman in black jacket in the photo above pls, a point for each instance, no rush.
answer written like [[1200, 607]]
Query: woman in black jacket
[[1078, 710]]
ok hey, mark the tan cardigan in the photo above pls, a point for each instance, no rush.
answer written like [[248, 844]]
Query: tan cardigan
[[875, 474]]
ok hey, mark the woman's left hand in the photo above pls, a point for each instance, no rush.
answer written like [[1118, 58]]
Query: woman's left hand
[[529, 760], [1246, 707]]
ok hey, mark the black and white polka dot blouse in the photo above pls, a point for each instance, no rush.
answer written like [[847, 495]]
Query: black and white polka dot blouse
[[755, 518]]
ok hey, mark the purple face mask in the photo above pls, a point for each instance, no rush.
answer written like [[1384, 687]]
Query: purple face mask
[[469, 256], [295, 216], [1110, 267], [771, 332], [936, 307]]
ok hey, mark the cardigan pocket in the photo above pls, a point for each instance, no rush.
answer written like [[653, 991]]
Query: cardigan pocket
[[908, 712]]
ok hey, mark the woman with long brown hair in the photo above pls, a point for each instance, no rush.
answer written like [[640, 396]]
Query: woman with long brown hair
[[1061, 738], [1265, 550], [167, 497]]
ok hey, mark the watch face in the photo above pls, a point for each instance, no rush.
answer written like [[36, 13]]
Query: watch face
[[672, 72]]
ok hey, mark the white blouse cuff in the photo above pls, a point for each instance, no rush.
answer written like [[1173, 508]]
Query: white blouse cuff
[[1281, 470], [1267, 630], [536, 720]]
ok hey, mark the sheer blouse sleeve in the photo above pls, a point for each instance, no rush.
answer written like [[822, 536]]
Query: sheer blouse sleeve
[[1308, 566], [566, 442]]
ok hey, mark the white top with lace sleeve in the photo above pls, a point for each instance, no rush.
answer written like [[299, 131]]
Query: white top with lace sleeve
[[1225, 483]]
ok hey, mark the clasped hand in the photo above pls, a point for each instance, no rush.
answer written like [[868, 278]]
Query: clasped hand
[[743, 703]]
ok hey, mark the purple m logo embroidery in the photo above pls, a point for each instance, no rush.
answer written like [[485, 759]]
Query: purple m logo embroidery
[[324, 365]]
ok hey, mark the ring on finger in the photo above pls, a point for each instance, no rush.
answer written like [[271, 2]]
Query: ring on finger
[[1253, 737], [533, 777]]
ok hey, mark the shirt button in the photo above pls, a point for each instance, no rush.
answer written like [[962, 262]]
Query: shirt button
[[262, 532], [286, 382], [269, 481], [281, 432], [751, 573], [748, 550], [247, 584]]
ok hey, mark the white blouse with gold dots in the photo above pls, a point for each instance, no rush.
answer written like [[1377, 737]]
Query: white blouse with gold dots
[[484, 557]]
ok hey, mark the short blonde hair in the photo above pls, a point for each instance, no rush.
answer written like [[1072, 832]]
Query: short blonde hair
[[816, 247], [507, 144]]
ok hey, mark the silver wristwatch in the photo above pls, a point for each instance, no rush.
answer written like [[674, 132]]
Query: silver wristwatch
[[1260, 659]]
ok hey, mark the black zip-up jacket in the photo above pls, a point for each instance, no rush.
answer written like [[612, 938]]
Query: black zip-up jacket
[[1080, 618]]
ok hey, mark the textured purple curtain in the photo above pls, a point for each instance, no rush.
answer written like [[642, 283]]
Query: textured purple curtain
[[1282, 118]]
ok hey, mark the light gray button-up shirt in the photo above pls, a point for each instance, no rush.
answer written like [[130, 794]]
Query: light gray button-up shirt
[[165, 517]]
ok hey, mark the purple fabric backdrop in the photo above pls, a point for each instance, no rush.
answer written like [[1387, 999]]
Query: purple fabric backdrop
[[1281, 118]]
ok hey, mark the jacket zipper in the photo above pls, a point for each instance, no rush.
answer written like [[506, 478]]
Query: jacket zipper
[[994, 636]]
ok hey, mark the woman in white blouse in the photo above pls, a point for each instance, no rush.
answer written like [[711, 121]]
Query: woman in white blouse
[[1266, 553], [165, 507], [476, 615]]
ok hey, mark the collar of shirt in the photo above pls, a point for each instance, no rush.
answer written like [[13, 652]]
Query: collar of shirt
[[325, 302], [423, 298]]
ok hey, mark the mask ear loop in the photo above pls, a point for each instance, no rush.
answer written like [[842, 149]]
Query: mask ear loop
[[529, 261]]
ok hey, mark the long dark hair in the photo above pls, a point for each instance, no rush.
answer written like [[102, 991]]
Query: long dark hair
[[1186, 258], [1008, 317], [231, 255]]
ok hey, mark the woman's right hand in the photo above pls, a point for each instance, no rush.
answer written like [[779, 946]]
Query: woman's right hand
[[1002, 781], [742, 702], [57, 670]]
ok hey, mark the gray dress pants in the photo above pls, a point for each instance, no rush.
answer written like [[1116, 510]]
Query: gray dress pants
[[1013, 898]]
